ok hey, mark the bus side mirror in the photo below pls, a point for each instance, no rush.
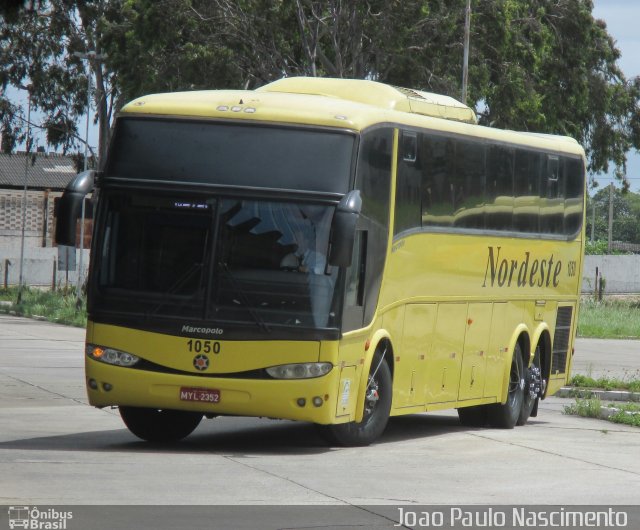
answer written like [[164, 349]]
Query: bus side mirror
[[343, 229], [70, 206]]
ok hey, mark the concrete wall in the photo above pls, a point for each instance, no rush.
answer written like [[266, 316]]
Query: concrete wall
[[38, 267], [622, 274]]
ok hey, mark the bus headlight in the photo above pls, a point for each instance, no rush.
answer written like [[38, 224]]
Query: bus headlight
[[111, 356], [299, 370]]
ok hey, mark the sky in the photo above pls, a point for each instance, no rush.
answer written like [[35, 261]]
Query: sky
[[621, 17]]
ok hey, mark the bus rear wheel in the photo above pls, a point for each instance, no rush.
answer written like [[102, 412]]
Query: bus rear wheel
[[505, 416], [532, 388], [160, 425], [376, 410]]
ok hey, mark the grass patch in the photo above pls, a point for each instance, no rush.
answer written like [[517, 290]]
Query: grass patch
[[627, 413], [605, 383], [587, 408], [609, 319], [54, 306]]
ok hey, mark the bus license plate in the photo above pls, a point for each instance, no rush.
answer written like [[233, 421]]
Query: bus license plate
[[200, 395]]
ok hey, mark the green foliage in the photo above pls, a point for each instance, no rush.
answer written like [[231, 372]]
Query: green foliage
[[631, 384], [525, 70], [626, 218], [599, 247], [627, 413], [37, 46], [588, 408], [609, 319], [54, 306]]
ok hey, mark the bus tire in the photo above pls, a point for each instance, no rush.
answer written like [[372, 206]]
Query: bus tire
[[473, 416], [376, 413], [155, 425], [505, 416], [532, 383]]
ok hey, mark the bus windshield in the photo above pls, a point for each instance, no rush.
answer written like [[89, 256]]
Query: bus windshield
[[222, 259]]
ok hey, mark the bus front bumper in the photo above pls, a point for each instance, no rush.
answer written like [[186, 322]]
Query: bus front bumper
[[311, 400]]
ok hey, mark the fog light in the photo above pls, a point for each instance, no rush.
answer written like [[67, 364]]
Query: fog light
[[93, 384], [107, 387], [301, 402], [317, 401]]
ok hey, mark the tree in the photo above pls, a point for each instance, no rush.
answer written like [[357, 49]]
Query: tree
[[626, 215], [37, 52], [542, 65]]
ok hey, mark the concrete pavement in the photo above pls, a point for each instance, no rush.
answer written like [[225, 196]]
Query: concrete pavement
[[607, 358], [54, 449]]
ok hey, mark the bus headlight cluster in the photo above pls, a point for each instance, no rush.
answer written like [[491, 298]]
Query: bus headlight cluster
[[299, 370], [111, 356]]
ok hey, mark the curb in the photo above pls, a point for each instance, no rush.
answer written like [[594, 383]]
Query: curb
[[603, 395], [607, 412]]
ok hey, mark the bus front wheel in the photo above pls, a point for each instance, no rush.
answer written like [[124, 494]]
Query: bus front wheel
[[376, 410], [163, 425], [505, 416]]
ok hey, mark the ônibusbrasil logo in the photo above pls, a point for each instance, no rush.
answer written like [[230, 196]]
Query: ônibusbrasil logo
[[36, 519]]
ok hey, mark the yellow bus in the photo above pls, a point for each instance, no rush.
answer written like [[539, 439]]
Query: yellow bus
[[331, 251]]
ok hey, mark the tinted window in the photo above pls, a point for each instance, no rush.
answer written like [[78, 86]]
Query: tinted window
[[373, 175], [500, 191], [469, 184], [552, 196], [526, 208], [574, 171], [473, 184], [439, 196], [230, 154], [409, 188], [373, 179]]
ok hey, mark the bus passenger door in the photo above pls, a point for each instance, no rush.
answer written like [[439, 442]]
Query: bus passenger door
[[476, 344], [445, 358], [410, 370]]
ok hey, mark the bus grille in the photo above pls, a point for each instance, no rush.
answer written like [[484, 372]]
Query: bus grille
[[561, 339]]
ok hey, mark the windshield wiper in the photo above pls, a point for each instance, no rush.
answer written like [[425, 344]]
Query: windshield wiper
[[182, 279], [243, 298]]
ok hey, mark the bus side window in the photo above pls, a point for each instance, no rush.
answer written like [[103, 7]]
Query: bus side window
[[438, 186], [470, 184], [527, 189], [407, 210], [500, 192], [552, 197], [574, 171]]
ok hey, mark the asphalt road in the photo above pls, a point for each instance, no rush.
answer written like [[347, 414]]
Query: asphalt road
[[55, 449]]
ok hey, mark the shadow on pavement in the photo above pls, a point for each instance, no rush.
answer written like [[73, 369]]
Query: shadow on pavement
[[248, 436]]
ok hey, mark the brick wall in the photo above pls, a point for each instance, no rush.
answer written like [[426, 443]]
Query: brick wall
[[40, 220]]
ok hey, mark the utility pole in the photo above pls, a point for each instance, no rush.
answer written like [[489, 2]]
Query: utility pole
[[90, 55], [610, 217], [593, 217], [24, 196], [465, 61]]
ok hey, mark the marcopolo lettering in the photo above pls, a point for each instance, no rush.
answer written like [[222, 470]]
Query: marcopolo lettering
[[205, 331], [524, 272]]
